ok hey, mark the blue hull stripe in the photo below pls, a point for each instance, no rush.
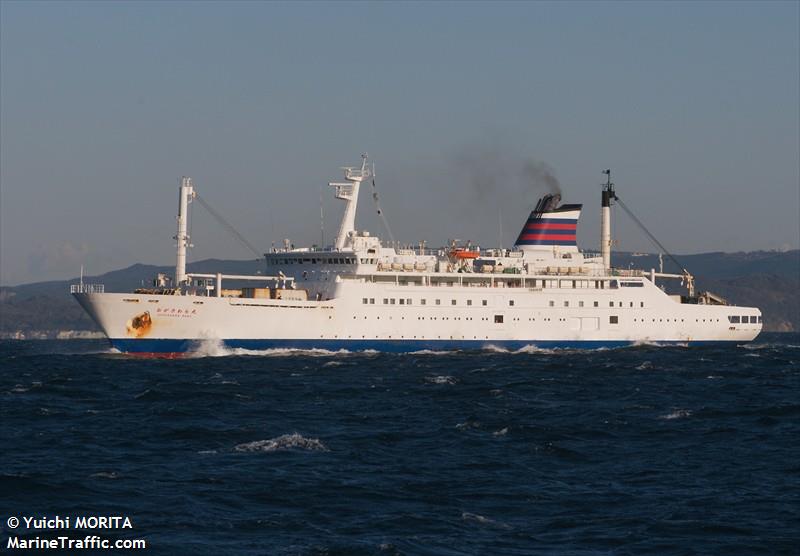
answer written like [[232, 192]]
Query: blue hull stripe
[[389, 346]]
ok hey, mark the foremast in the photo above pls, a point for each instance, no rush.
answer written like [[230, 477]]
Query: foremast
[[185, 195]]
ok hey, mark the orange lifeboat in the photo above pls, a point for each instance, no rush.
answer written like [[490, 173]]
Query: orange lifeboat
[[462, 253]]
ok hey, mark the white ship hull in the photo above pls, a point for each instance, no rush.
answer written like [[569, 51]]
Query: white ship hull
[[459, 321]]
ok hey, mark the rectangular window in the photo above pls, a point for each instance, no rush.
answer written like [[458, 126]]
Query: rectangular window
[[552, 304], [596, 304], [510, 302], [438, 301], [744, 318], [498, 319], [469, 302], [452, 302], [391, 301], [580, 303], [613, 319], [372, 301], [402, 301], [385, 301], [408, 302], [641, 304], [422, 301], [610, 303], [759, 320], [753, 320], [364, 301], [566, 304], [484, 302]]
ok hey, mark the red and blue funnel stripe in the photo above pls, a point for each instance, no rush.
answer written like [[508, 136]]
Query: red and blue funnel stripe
[[554, 227]]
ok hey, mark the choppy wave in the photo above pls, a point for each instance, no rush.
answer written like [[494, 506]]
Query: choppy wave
[[441, 379], [585, 449], [284, 442], [217, 348], [678, 414]]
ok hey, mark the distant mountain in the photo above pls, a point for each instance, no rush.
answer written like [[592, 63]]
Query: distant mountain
[[766, 279]]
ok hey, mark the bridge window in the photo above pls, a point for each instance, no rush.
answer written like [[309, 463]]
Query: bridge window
[[733, 319]]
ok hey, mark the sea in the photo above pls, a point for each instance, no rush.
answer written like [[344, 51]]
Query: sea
[[641, 450]]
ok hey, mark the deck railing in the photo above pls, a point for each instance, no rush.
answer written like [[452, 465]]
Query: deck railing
[[87, 288]]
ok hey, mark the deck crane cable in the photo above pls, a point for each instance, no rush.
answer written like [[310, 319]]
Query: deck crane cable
[[651, 236], [378, 206], [225, 224]]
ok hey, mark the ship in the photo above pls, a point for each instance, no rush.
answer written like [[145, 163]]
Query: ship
[[362, 293]]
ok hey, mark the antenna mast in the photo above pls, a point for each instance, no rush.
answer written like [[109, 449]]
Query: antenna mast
[[605, 220], [349, 192]]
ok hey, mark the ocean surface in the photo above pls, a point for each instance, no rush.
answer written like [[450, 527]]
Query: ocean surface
[[640, 450]]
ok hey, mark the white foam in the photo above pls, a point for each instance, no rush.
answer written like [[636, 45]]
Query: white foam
[[467, 516], [644, 366], [105, 475], [677, 414], [468, 424], [282, 443], [433, 352], [441, 379], [530, 348], [501, 432], [483, 520]]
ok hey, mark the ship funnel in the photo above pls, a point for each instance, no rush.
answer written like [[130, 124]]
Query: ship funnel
[[550, 225]]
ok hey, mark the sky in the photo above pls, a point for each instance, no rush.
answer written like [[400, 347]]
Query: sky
[[695, 108]]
